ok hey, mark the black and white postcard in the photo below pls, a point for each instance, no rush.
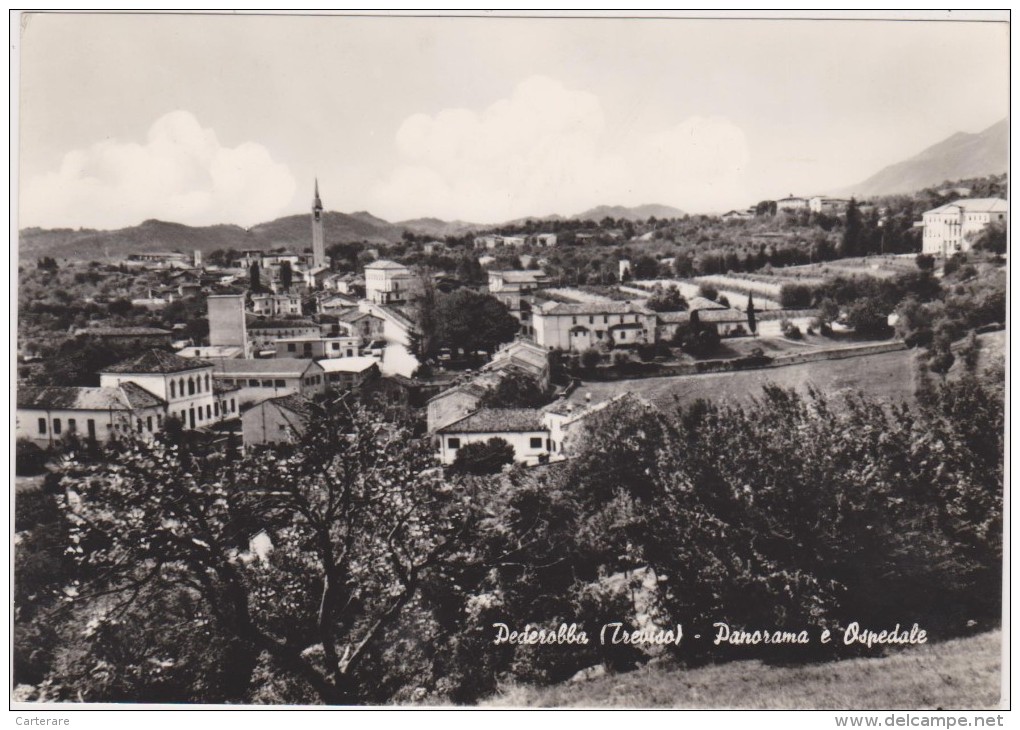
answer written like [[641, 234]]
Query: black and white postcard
[[511, 361]]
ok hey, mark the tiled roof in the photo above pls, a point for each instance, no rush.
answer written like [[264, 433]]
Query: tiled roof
[[703, 303], [494, 420], [139, 397], [157, 361], [123, 331], [280, 366], [126, 397], [975, 205], [275, 324], [590, 308], [294, 403], [519, 277], [384, 264], [354, 315]]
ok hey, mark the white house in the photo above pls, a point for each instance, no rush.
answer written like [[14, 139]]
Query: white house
[[348, 372], [273, 305], [830, 206], [522, 428], [387, 282], [45, 415], [579, 326], [318, 348], [948, 228], [257, 380], [185, 384], [793, 203]]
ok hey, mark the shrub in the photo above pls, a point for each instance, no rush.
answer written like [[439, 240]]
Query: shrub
[[29, 459], [796, 296], [708, 292], [486, 457], [790, 330], [590, 358]]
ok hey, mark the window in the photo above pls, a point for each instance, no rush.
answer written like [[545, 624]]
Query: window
[[232, 408], [148, 423], [138, 425], [207, 382], [191, 386], [42, 425], [216, 408], [56, 425], [591, 319], [336, 345], [281, 383], [536, 442], [72, 425], [253, 383], [208, 411], [267, 383], [605, 319], [574, 320], [623, 335], [173, 389], [200, 413], [453, 442]]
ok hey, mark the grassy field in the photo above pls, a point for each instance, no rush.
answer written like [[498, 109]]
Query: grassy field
[[888, 377], [958, 674]]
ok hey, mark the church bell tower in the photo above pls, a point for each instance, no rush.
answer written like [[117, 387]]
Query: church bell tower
[[318, 243]]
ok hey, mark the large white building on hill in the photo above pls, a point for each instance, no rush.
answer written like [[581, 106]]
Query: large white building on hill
[[949, 228]]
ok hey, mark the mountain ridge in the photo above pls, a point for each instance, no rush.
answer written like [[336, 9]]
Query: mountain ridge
[[959, 156]]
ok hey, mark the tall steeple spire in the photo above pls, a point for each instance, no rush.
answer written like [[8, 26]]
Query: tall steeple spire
[[318, 239]]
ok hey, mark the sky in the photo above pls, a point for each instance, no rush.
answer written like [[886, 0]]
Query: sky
[[205, 119]]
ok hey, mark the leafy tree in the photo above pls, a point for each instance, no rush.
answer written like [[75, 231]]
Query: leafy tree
[[645, 267], [868, 318], [590, 358], [852, 231], [286, 275], [992, 238], [254, 278], [359, 519], [708, 292], [517, 389], [471, 321], [486, 457], [425, 308], [666, 299], [925, 262]]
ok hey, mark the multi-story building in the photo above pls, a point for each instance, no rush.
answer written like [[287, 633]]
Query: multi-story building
[[184, 384], [264, 332], [257, 380], [950, 228], [514, 289], [579, 326], [387, 282], [275, 305], [318, 348], [828, 206], [792, 203]]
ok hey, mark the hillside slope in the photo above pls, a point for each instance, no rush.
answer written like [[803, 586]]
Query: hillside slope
[[952, 675], [293, 232], [960, 156]]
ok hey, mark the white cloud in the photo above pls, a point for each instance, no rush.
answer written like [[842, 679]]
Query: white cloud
[[181, 173], [547, 149]]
